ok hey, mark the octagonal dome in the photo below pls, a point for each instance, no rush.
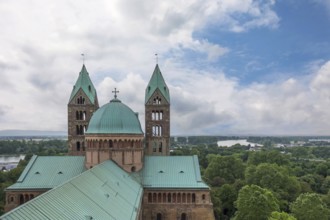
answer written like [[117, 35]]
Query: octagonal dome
[[114, 118]]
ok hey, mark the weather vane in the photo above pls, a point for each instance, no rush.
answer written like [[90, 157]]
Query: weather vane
[[83, 57], [116, 91]]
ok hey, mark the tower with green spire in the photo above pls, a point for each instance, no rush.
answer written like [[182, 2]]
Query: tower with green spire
[[157, 115], [82, 104]]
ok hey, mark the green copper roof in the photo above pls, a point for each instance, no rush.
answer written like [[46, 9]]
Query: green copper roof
[[114, 118], [46, 172], [157, 82], [84, 83], [103, 192], [172, 172]]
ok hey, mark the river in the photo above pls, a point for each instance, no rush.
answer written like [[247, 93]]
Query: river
[[9, 162], [229, 143]]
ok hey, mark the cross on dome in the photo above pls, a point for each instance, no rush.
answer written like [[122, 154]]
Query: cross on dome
[[116, 91]]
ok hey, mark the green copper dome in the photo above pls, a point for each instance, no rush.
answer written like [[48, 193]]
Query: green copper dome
[[114, 118]]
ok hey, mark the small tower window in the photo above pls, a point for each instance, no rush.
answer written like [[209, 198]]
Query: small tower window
[[89, 88], [78, 146], [160, 147]]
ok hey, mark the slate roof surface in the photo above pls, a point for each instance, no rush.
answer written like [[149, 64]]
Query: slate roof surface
[[114, 118], [103, 192], [172, 172], [84, 83], [46, 172], [157, 82]]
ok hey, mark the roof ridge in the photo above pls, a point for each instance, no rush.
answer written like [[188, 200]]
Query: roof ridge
[[27, 169]]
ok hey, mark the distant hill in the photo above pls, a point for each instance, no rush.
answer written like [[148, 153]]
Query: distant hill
[[8, 133]]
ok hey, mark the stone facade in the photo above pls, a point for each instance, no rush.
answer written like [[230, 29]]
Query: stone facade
[[157, 125], [17, 198], [179, 204], [80, 111], [125, 150]]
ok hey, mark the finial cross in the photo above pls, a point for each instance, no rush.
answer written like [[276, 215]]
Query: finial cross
[[83, 58], [156, 58], [116, 91]]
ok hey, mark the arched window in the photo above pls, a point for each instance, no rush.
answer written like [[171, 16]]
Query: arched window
[[110, 144], [78, 146], [154, 197], [159, 197], [159, 216], [161, 147], [161, 115], [193, 198], [157, 101], [149, 198], [77, 115], [183, 216], [21, 199], [133, 169], [203, 197], [159, 130], [84, 116], [169, 197], [154, 147]]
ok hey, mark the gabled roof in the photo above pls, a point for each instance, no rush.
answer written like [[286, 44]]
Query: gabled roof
[[46, 172], [157, 82], [84, 83], [172, 172], [103, 192]]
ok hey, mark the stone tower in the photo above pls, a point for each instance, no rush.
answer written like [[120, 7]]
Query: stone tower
[[157, 115], [82, 104]]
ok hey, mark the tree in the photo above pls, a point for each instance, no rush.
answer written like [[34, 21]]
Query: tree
[[227, 168], [228, 195], [281, 216], [275, 178], [272, 156], [310, 206], [255, 203]]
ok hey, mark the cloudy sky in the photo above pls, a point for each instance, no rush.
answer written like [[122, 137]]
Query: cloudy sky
[[232, 66]]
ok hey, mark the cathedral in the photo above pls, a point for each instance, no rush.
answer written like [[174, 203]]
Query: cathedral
[[113, 170]]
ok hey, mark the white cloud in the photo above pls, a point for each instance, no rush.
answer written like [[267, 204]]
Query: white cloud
[[41, 43]]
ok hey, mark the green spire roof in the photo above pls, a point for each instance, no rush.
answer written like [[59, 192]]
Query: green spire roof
[[84, 83], [157, 82], [114, 118]]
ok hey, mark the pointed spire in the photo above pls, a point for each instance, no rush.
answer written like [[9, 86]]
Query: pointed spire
[[157, 82], [85, 83]]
